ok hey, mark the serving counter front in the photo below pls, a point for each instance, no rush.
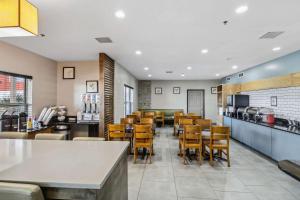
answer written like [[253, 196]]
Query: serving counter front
[[276, 142]]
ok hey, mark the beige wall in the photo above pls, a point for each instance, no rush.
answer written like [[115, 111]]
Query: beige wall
[[43, 71], [123, 77], [69, 91], [168, 100]]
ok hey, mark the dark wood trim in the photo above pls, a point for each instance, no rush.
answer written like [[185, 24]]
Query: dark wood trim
[[92, 81], [106, 90], [187, 102], [69, 68]]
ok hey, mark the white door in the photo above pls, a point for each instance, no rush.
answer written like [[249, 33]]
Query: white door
[[195, 102]]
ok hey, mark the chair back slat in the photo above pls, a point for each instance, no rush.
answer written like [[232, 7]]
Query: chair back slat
[[116, 131], [204, 123], [127, 121], [143, 132], [146, 121], [185, 121], [134, 117], [192, 132], [220, 133]]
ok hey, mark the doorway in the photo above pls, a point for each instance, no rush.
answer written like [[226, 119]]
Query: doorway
[[196, 102]]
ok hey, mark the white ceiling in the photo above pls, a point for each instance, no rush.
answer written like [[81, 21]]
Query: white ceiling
[[170, 33]]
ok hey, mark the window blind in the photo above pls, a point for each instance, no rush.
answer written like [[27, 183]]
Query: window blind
[[15, 93]]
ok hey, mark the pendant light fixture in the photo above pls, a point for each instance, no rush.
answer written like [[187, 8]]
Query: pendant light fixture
[[18, 18]]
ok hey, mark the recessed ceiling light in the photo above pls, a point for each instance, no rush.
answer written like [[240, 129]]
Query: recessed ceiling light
[[138, 52], [149, 75], [189, 68], [120, 14], [235, 67], [217, 74], [241, 9], [276, 49], [146, 68], [204, 51], [182, 75]]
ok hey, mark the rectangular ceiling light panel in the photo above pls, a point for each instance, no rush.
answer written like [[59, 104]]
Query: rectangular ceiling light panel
[[18, 18]]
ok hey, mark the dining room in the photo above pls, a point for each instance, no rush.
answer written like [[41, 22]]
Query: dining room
[[119, 100]]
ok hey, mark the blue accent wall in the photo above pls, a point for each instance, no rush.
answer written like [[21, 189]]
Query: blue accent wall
[[278, 67]]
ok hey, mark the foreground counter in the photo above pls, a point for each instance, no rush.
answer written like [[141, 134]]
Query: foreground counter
[[67, 169], [276, 142]]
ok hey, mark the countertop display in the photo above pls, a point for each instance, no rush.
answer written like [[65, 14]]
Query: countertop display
[[62, 164], [290, 129]]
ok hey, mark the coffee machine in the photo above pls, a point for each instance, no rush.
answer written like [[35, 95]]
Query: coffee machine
[[90, 104]]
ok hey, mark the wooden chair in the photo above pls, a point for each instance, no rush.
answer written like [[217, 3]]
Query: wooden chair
[[143, 138], [182, 122], [206, 124], [219, 140], [177, 115], [194, 118], [50, 136], [134, 117], [191, 114], [191, 139], [149, 115], [127, 121], [138, 115], [116, 132], [88, 139], [148, 121], [13, 135], [18, 191], [160, 117]]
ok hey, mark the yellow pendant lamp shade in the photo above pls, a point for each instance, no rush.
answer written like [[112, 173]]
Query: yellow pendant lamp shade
[[18, 18]]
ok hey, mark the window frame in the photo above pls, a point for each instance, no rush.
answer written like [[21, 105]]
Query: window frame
[[131, 93], [25, 104]]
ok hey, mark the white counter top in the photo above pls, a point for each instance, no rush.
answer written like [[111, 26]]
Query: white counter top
[[62, 164]]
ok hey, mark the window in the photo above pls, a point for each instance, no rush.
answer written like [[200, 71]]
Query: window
[[15, 93], [128, 103]]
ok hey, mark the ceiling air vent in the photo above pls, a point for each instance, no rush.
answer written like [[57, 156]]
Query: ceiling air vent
[[228, 79], [104, 40], [271, 35], [169, 72], [241, 75]]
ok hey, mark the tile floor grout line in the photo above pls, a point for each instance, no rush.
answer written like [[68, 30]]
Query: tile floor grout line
[[141, 181], [172, 166]]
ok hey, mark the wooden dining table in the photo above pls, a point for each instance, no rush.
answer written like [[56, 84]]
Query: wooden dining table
[[66, 170]]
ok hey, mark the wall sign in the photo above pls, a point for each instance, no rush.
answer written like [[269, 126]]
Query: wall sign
[[274, 101], [213, 90], [158, 90], [91, 86], [176, 90], [69, 73]]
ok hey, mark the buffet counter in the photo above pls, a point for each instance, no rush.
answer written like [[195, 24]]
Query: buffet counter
[[276, 142]]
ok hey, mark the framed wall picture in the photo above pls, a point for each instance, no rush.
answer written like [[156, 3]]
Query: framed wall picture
[[158, 90], [274, 101], [213, 90], [176, 90], [69, 73], [91, 86]]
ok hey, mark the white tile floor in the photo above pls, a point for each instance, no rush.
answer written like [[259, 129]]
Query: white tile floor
[[251, 177]]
